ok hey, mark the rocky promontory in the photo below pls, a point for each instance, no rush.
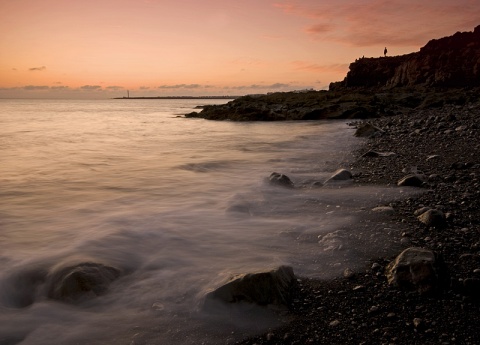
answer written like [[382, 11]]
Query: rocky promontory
[[444, 71]]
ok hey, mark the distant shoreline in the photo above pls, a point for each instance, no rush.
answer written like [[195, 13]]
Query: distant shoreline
[[181, 97]]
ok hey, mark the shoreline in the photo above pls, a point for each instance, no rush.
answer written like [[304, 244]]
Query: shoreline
[[364, 309]]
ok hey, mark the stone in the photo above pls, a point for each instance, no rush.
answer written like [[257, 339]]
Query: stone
[[340, 175], [421, 211], [471, 287], [433, 218], [412, 180], [378, 154], [416, 269], [280, 180], [263, 288], [384, 209], [367, 130], [81, 281]]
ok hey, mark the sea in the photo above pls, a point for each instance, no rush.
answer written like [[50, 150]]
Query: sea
[[179, 205]]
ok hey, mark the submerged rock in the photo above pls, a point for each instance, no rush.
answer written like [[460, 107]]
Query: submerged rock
[[263, 288], [340, 175], [416, 269], [280, 180], [84, 280]]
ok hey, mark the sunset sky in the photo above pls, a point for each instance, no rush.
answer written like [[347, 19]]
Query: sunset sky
[[101, 48]]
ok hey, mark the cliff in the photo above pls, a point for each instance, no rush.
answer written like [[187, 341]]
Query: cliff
[[444, 71], [452, 61]]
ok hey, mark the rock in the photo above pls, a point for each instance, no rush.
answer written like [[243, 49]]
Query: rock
[[367, 130], [348, 273], [412, 180], [264, 288], [280, 180], [384, 209], [84, 280], [378, 154], [433, 218], [340, 175], [421, 211], [416, 269], [471, 287]]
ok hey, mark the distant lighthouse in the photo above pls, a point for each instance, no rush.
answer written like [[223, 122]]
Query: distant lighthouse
[[128, 94]]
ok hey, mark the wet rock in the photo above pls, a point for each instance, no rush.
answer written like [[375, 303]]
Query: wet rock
[[263, 288], [340, 175], [412, 180], [367, 130], [84, 280], [280, 180], [416, 269], [433, 218]]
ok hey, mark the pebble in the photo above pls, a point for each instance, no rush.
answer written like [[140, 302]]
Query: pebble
[[334, 323]]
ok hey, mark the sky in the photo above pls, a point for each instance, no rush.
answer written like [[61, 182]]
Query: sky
[[102, 48]]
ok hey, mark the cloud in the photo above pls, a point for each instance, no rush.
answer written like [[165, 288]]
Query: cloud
[[36, 87], [91, 87], [379, 22], [181, 86], [114, 88], [60, 88], [306, 66], [274, 86], [34, 69]]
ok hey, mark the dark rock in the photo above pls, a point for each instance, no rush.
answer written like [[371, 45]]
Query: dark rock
[[367, 130], [416, 269], [472, 287], [340, 175], [264, 288], [412, 180], [281, 180], [84, 280], [433, 218]]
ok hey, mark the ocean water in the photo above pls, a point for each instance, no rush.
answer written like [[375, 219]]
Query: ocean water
[[178, 205]]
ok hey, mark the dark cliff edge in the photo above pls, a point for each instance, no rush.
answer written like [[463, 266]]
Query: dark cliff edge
[[444, 71]]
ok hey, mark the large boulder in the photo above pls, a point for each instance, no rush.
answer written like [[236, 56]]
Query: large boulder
[[81, 281], [417, 269], [367, 130], [264, 288]]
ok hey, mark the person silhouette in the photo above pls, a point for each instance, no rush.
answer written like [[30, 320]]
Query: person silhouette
[[385, 51]]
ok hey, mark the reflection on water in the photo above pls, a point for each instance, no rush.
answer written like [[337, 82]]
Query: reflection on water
[[176, 204]]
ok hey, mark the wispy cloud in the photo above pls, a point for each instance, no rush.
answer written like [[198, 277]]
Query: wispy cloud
[[307, 66], [91, 87], [378, 22], [36, 69], [36, 87], [180, 86], [114, 88]]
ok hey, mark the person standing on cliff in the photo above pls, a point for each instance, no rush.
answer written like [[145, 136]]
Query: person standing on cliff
[[385, 52]]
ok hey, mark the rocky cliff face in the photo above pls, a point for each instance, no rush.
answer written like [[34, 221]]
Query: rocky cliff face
[[452, 61]]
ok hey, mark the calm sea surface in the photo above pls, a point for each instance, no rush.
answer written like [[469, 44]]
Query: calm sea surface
[[178, 204]]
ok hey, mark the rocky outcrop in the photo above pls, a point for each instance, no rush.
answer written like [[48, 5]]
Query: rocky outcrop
[[452, 61], [263, 288], [444, 71], [280, 180]]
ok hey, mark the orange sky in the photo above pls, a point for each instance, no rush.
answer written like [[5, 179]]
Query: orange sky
[[101, 48]]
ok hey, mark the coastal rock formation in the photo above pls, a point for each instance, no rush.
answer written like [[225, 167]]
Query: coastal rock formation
[[444, 71], [452, 61], [84, 280], [416, 269], [263, 288]]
